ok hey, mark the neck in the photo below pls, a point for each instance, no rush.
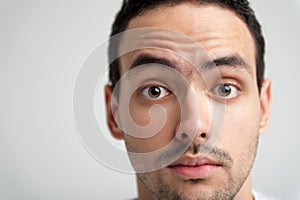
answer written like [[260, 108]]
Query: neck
[[245, 192], [143, 192]]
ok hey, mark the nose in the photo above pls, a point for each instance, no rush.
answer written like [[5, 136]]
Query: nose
[[196, 114]]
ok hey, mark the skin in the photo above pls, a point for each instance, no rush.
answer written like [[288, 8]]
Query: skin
[[245, 118]]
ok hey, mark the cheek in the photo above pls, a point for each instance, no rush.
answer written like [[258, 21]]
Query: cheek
[[241, 125], [140, 116]]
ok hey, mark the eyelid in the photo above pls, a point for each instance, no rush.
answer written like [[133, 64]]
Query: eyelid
[[152, 84], [230, 81]]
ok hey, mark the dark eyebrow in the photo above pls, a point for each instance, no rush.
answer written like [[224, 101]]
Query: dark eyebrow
[[234, 61], [149, 59]]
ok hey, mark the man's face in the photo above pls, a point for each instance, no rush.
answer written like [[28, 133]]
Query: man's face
[[225, 170]]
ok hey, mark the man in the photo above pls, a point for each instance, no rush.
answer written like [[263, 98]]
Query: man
[[215, 98]]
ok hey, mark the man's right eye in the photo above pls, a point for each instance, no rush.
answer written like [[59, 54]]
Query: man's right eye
[[155, 92]]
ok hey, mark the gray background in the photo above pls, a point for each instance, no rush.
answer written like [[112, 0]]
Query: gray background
[[43, 45]]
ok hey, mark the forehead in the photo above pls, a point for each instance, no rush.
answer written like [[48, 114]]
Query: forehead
[[219, 31]]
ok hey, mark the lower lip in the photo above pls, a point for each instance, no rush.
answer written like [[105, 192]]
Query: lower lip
[[195, 172]]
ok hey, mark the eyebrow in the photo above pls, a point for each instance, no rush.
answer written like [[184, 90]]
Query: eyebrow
[[234, 61], [149, 59]]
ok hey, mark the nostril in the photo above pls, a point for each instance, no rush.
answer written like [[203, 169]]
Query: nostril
[[184, 135], [203, 135]]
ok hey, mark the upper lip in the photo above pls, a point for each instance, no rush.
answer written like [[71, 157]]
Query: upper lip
[[190, 161]]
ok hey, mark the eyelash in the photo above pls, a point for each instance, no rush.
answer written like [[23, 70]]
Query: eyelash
[[233, 88], [143, 89]]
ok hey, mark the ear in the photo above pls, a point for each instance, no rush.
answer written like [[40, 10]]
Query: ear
[[111, 110], [265, 101]]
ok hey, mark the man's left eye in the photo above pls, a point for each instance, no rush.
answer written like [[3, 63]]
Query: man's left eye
[[154, 92], [226, 91]]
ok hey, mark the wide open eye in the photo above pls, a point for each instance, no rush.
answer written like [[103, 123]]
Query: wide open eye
[[154, 92], [226, 91]]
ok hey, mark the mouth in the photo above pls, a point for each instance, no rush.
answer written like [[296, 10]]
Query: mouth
[[194, 167]]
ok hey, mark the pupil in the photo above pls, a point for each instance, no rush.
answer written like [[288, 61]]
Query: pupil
[[226, 90], [154, 92]]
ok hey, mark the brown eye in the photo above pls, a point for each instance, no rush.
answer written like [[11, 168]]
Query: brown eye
[[154, 92]]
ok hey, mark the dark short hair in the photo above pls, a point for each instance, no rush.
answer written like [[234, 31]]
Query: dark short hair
[[132, 8]]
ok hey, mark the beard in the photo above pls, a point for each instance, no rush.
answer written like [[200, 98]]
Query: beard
[[164, 190], [162, 185]]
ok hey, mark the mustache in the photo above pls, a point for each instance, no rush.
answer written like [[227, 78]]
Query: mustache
[[212, 152], [164, 157], [197, 149]]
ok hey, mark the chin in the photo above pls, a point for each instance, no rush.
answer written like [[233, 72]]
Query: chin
[[165, 187]]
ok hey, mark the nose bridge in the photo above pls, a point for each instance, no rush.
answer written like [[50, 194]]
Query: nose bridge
[[196, 115]]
